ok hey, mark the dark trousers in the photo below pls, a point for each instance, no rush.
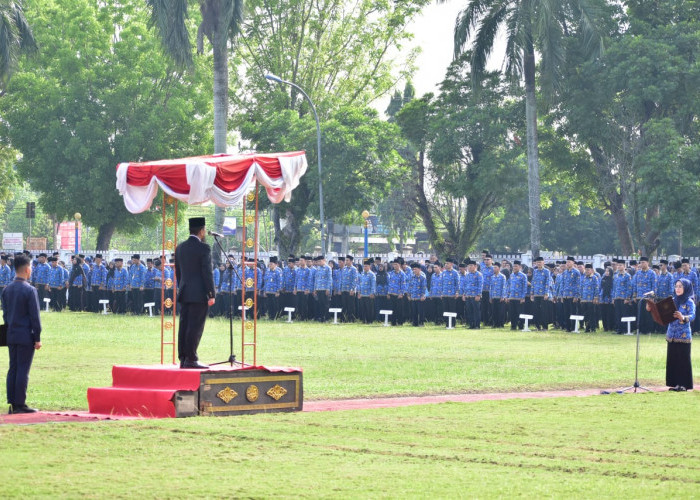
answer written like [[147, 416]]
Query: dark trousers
[[646, 323], [514, 310], [192, 318], [21, 357], [620, 311], [347, 302], [272, 302], [539, 312], [449, 304], [473, 310], [485, 306], [119, 302], [590, 316], [366, 312], [396, 303], [136, 296], [607, 313], [498, 313], [75, 298], [56, 301], [322, 300], [567, 310], [416, 307]]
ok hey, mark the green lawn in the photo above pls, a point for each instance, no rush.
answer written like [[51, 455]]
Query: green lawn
[[620, 446], [348, 361]]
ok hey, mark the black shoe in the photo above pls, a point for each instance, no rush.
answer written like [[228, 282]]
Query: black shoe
[[14, 409], [193, 365]]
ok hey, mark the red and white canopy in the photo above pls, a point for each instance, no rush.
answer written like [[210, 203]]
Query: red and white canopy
[[223, 179]]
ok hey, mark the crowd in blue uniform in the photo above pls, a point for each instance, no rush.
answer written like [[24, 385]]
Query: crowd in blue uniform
[[480, 293]]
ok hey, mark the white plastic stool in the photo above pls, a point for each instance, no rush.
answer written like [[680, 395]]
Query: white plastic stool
[[47, 300], [577, 319], [386, 313], [629, 320], [449, 316], [527, 318], [150, 306], [335, 311], [243, 309], [104, 303], [289, 310]]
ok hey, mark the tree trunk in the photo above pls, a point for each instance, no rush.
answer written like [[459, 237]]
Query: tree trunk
[[104, 236], [533, 166], [288, 237], [436, 240], [617, 210], [220, 36]]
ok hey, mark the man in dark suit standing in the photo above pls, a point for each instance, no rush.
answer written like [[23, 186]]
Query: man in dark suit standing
[[20, 308], [196, 291]]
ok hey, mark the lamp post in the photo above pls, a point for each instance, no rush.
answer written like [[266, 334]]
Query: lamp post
[[77, 217], [365, 216], [277, 79]]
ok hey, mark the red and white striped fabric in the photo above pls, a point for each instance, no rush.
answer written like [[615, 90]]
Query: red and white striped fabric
[[223, 179]]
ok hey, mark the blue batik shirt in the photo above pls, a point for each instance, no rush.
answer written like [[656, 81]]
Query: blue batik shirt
[[473, 284], [664, 285], [301, 283], [590, 288], [517, 286], [622, 286], [570, 283], [98, 277], [682, 332], [397, 281], [273, 280], [41, 274], [323, 279], [216, 273], [486, 272], [541, 279], [436, 285], [644, 282], [348, 279], [367, 283], [56, 277], [417, 286], [121, 280], [250, 272], [450, 283], [289, 277], [149, 280], [337, 279], [138, 276], [407, 274], [498, 289], [5, 275]]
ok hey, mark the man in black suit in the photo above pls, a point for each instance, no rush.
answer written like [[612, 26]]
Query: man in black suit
[[20, 308], [196, 291]]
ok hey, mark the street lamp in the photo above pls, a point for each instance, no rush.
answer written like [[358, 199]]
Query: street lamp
[[365, 216], [77, 222], [277, 79]]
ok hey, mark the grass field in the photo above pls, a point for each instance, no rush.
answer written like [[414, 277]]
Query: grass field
[[639, 446]]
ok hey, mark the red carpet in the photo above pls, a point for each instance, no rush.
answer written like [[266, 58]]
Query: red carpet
[[147, 391]]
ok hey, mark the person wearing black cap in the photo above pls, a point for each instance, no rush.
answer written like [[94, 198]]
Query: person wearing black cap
[[98, 282], [40, 277], [450, 288], [541, 285], [643, 283], [289, 275], [366, 291], [348, 287], [590, 292], [272, 284], [517, 290], [622, 294], [336, 296], [486, 269], [607, 310], [5, 272], [20, 310], [196, 291], [396, 284], [569, 291]]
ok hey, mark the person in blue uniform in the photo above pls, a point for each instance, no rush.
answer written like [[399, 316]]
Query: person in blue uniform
[[5, 272], [450, 287], [138, 280], [498, 293], [348, 288], [621, 294], [541, 278], [20, 310], [396, 281], [417, 289], [517, 289], [568, 291], [272, 286], [288, 282], [473, 285], [366, 291], [40, 277], [57, 285], [486, 269], [644, 283], [588, 297], [381, 300], [323, 285], [196, 292], [679, 369], [120, 286], [607, 310]]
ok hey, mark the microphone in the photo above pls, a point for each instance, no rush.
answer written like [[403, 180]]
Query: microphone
[[216, 235], [649, 294]]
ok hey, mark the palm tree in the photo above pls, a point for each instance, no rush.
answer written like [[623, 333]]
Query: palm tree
[[530, 26], [16, 38], [221, 21]]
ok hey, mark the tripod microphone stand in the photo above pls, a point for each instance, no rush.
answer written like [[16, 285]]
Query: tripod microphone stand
[[232, 357], [636, 384]]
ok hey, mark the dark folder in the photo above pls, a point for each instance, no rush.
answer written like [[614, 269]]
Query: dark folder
[[662, 311], [3, 335]]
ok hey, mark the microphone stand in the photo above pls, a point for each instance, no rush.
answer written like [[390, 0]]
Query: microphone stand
[[636, 384], [232, 357]]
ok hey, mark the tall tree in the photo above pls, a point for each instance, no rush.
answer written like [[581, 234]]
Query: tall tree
[[94, 96], [220, 24], [635, 115], [16, 38], [341, 53], [464, 161], [531, 26]]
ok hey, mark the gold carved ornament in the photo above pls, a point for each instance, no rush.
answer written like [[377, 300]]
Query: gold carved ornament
[[276, 392], [249, 282], [249, 219], [251, 196], [169, 200], [169, 222], [226, 395], [169, 283], [168, 325], [249, 243], [168, 303], [169, 244], [249, 302], [252, 393], [248, 325]]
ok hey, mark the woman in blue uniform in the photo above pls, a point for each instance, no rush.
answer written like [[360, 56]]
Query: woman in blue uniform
[[679, 370]]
